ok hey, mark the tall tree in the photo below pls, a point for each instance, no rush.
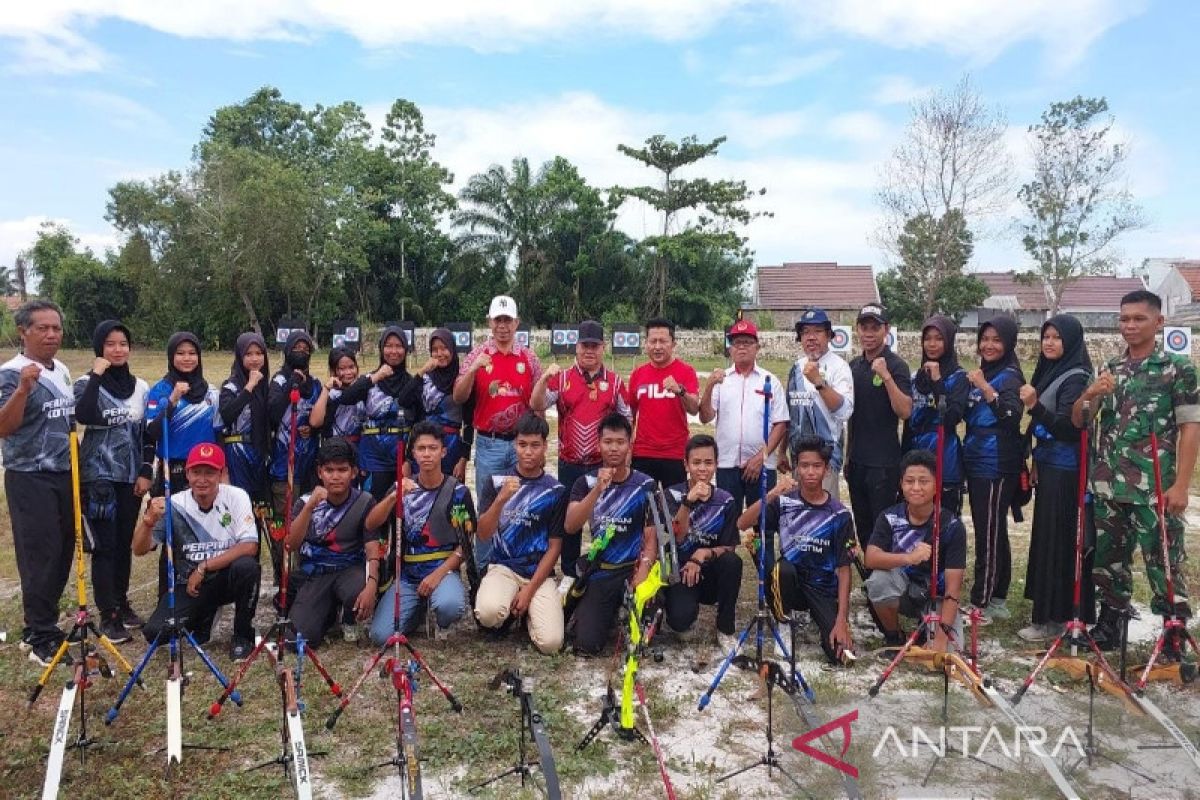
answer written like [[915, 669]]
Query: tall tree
[[950, 171], [1077, 203], [7, 286], [697, 213], [54, 244], [930, 277]]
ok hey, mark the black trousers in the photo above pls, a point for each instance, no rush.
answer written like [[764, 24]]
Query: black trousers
[[112, 554], [744, 492], [41, 506], [667, 471], [572, 546], [237, 584], [720, 582], [787, 593], [316, 600], [597, 610], [990, 502], [872, 490]]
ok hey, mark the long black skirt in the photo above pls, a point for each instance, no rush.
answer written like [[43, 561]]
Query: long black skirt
[[1050, 574]]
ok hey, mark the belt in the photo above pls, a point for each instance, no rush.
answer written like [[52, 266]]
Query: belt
[[508, 437], [235, 438], [451, 428], [436, 555], [610, 565], [385, 430]]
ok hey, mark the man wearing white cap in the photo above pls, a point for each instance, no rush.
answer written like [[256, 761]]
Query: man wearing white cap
[[499, 374]]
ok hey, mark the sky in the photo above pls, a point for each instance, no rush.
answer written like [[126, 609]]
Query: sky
[[813, 96]]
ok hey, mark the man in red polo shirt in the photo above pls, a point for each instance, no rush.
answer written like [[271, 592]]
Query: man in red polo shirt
[[661, 395], [584, 394], [499, 374]]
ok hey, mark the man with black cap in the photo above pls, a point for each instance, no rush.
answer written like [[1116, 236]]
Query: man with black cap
[[734, 398], [882, 398], [584, 394], [820, 391]]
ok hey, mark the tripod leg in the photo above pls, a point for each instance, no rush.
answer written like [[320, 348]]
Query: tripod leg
[[232, 685], [1032, 676], [135, 678], [44, 678], [234, 695], [348, 696], [707, 696], [335, 688]]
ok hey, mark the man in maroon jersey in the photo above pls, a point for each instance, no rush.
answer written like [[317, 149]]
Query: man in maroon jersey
[[584, 394], [662, 393]]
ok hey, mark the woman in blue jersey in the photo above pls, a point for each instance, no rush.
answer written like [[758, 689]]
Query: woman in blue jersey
[[110, 403], [191, 404], [438, 406], [392, 400], [293, 375], [336, 418], [247, 426], [1063, 371], [939, 377], [993, 452]]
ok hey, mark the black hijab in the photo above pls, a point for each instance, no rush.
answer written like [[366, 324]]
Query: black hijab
[[443, 377], [117, 381], [197, 386], [1006, 328], [1074, 355], [260, 423], [948, 362], [392, 385], [298, 360]]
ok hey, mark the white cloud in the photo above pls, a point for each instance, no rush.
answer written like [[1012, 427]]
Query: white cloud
[[979, 30], [19, 234], [778, 71], [862, 127], [898, 90], [122, 112], [49, 37]]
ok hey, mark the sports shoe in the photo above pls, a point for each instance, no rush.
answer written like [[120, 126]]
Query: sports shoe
[[1040, 632], [997, 608], [726, 642], [351, 632], [24, 645], [239, 649], [130, 618], [112, 628], [43, 652]]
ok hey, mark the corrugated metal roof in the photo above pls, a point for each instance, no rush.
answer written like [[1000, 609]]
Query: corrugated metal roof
[[823, 284]]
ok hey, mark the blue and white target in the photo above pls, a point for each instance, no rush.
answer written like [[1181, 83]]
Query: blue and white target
[[462, 339], [892, 338], [522, 338], [841, 338], [1178, 340]]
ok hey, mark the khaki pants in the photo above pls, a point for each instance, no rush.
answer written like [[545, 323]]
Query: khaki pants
[[545, 616]]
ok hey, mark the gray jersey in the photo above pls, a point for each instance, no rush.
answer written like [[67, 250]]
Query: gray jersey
[[42, 443], [113, 451]]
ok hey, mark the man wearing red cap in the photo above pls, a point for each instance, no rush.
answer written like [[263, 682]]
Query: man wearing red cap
[[215, 549], [734, 398]]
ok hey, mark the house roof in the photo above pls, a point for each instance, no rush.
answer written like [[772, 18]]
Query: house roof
[[1028, 296], [1098, 293], [1088, 293], [823, 284], [1190, 271]]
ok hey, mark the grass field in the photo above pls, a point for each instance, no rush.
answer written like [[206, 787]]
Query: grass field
[[462, 749]]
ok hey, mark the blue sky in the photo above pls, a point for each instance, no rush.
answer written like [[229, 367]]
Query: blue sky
[[813, 96]]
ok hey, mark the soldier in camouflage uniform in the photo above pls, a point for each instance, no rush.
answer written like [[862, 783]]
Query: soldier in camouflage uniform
[[1143, 390]]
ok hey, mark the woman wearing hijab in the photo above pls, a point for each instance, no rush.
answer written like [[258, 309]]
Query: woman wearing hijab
[[294, 374], [110, 403], [438, 375], [993, 454], [247, 425], [393, 403], [331, 414], [192, 405], [939, 377], [1063, 371]]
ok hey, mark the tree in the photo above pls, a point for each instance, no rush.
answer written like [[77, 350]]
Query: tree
[[1077, 202], [698, 215], [930, 278], [7, 286], [54, 244], [89, 292], [951, 160]]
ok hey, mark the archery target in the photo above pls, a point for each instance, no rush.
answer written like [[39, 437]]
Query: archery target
[[339, 340], [840, 342], [560, 337], [462, 339], [522, 337], [892, 338], [1178, 340]]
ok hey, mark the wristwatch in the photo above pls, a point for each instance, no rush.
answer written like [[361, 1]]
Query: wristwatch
[[819, 386]]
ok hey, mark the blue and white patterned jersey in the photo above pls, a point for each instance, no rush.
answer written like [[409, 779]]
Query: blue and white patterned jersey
[[42, 443], [528, 521], [624, 506]]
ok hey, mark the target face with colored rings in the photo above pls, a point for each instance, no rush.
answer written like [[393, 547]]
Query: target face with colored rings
[[840, 339], [1177, 341]]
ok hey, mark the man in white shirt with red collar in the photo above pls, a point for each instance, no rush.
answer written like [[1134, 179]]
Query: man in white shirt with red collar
[[734, 398]]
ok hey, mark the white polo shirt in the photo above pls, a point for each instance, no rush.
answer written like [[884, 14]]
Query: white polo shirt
[[739, 405]]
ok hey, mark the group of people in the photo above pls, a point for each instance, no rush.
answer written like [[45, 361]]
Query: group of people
[[377, 461]]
